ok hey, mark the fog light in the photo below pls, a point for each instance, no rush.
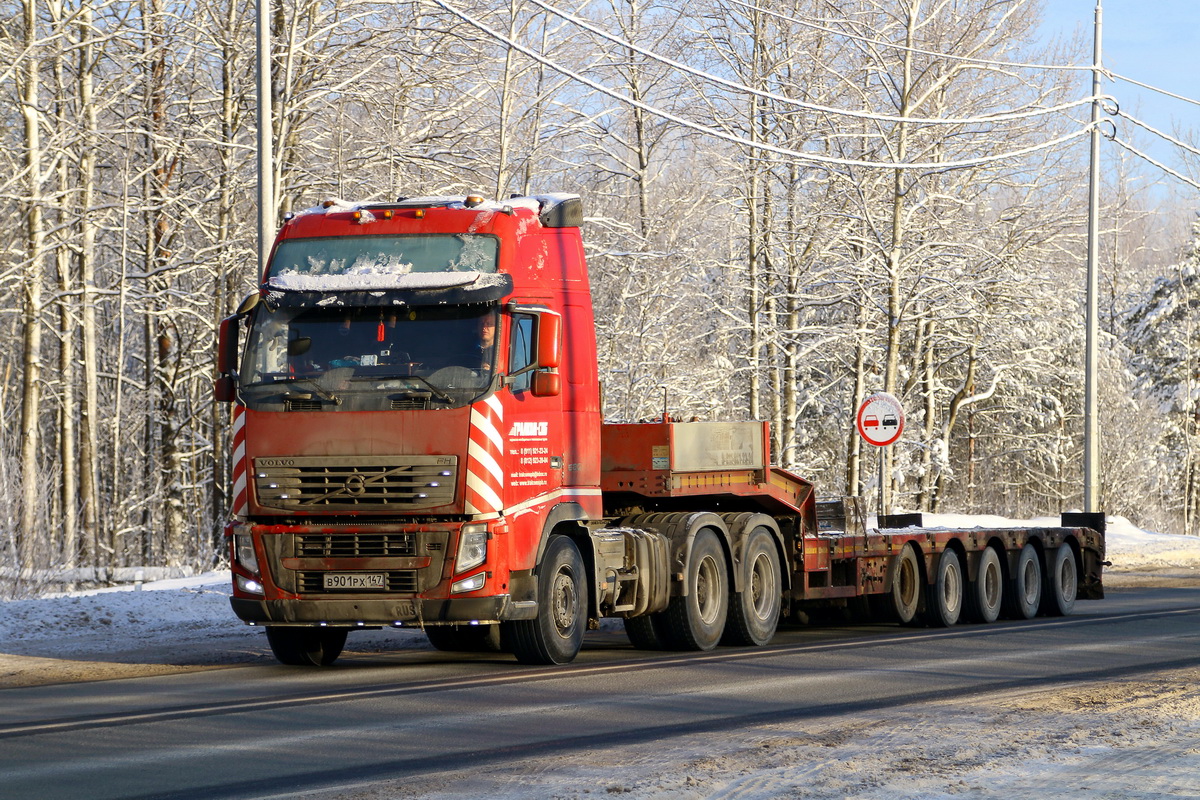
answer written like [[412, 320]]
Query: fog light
[[249, 585], [470, 584]]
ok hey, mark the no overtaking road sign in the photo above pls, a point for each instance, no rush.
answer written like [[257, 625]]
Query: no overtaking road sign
[[880, 419]]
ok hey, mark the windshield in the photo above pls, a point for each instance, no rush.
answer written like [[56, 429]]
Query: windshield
[[418, 357], [370, 258]]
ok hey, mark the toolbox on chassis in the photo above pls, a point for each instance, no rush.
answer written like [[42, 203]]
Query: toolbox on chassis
[[417, 441]]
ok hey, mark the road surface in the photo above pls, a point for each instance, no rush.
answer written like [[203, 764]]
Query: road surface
[[394, 722]]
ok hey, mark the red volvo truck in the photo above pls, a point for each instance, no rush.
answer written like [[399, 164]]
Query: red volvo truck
[[417, 441]]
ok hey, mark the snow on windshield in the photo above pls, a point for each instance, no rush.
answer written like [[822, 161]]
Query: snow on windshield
[[368, 263]]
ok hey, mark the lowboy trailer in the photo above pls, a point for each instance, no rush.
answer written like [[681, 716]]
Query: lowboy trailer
[[418, 443]]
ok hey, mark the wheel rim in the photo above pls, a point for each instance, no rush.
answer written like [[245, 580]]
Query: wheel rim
[[1066, 578], [908, 582], [992, 584], [762, 586], [1031, 582], [708, 590], [565, 602], [952, 589]]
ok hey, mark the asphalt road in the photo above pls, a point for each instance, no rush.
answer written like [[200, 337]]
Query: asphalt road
[[271, 731]]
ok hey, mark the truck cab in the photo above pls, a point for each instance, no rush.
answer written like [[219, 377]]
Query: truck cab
[[415, 405]]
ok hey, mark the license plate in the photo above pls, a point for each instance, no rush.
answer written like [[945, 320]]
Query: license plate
[[354, 580]]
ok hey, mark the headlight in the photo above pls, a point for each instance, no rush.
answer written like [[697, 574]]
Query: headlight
[[243, 551], [472, 547]]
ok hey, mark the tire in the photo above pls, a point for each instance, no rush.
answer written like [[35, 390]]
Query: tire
[[985, 594], [555, 635], [306, 647], [464, 638], [1062, 583], [696, 621], [754, 611], [647, 632], [945, 601], [1023, 595], [904, 595]]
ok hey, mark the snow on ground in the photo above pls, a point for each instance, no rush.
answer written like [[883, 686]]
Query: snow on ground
[[176, 613], [1130, 739]]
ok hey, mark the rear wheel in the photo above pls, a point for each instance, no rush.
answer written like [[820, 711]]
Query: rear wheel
[[556, 634], [695, 621], [306, 647], [1024, 593], [905, 594], [754, 611], [986, 592], [945, 601], [647, 632], [465, 638], [1062, 583]]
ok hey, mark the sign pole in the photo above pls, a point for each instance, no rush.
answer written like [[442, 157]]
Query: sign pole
[[880, 421]]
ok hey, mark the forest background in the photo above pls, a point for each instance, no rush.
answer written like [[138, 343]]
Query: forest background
[[788, 205]]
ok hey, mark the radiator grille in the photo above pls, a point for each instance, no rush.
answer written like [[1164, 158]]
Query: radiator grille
[[396, 581], [355, 545], [398, 483]]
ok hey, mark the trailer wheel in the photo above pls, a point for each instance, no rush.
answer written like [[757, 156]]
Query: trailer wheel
[[1062, 583], [904, 598], [647, 632], [556, 634], [754, 611], [306, 647], [1024, 593], [945, 601], [695, 621], [986, 592], [465, 638]]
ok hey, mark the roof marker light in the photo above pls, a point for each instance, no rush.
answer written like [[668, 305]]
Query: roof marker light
[[473, 200], [420, 212]]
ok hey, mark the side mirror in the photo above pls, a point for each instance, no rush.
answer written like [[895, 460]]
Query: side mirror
[[224, 389], [227, 343], [546, 384], [549, 333]]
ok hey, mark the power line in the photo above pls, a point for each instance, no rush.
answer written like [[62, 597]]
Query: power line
[[1163, 167], [905, 48], [740, 87], [1115, 76], [719, 134], [1156, 132]]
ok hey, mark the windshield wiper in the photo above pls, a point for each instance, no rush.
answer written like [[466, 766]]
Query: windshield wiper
[[326, 395]]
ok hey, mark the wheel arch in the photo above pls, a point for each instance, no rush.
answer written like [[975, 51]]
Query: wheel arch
[[740, 527]]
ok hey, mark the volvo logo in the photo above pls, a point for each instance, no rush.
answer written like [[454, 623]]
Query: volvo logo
[[355, 486]]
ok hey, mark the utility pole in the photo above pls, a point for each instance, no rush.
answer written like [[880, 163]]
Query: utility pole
[[266, 155], [1091, 428]]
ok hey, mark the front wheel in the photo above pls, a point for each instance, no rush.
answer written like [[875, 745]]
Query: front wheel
[[306, 647], [555, 635]]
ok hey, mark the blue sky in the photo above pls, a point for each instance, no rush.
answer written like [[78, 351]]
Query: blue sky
[[1153, 41]]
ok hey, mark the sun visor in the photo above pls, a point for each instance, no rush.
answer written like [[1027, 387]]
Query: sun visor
[[462, 289]]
